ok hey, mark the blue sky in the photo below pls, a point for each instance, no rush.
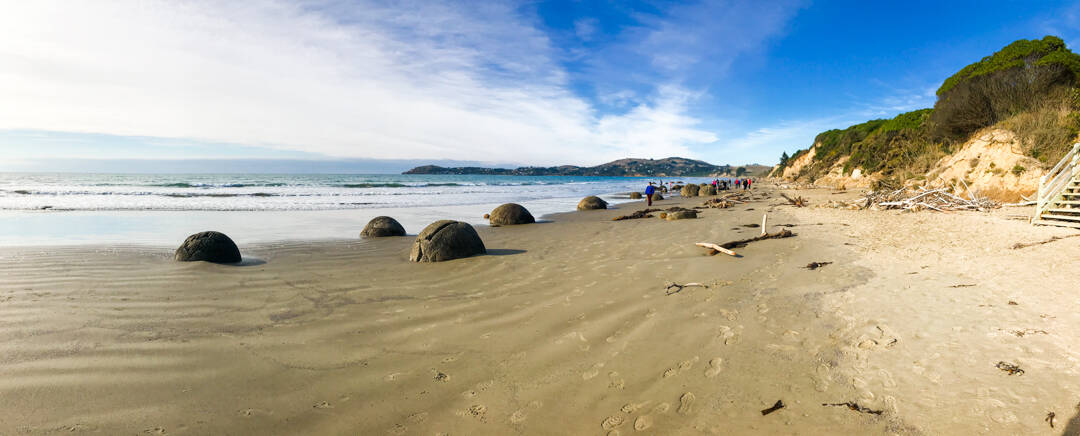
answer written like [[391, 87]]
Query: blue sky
[[501, 82]]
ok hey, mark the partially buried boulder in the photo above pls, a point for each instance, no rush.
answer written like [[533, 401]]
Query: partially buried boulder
[[635, 196], [681, 215], [510, 214], [689, 191], [591, 202], [208, 246], [381, 226], [657, 196], [446, 240], [707, 190]]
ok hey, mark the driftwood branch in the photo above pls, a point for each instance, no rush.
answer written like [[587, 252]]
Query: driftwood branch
[[797, 201], [763, 218], [785, 233], [677, 287], [1019, 245], [716, 248]]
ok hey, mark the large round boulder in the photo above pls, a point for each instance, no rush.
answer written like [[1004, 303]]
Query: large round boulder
[[657, 196], [446, 240], [690, 190], [208, 246], [635, 196], [591, 202], [381, 226], [707, 190], [510, 214]]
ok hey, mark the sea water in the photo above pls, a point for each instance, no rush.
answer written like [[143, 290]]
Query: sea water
[[161, 209]]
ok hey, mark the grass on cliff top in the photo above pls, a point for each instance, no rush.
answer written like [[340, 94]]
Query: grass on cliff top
[[1050, 50]]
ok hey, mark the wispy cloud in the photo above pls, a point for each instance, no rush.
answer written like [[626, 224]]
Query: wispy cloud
[[472, 81]]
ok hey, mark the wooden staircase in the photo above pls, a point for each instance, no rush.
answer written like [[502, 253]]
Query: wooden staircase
[[1058, 203]]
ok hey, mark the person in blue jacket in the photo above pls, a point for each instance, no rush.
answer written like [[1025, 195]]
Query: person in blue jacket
[[649, 190]]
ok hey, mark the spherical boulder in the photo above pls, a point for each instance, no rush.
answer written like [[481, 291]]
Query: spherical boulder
[[635, 196], [446, 240], [657, 196], [707, 190], [510, 214], [382, 226], [591, 202], [681, 215], [208, 246], [690, 191]]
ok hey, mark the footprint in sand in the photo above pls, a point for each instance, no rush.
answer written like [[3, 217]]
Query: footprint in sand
[[398, 429], [686, 403], [615, 381], [154, 430], [611, 422], [592, 372], [714, 368], [417, 418], [323, 405], [727, 335], [661, 408], [629, 408], [642, 422]]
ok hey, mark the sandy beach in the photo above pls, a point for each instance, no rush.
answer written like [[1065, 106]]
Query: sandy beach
[[565, 327]]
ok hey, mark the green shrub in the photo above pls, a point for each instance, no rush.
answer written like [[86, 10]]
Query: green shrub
[[1018, 170]]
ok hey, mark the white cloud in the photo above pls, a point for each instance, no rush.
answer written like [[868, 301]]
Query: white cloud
[[418, 80]]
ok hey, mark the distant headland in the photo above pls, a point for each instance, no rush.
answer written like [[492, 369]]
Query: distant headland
[[667, 167]]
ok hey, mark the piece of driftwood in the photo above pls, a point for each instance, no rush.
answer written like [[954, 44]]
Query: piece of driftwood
[[815, 265], [716, 249], [1050, 418], [779, 405], [764, 217], [1019, 245], [855, 406], [797, 201], [644, 213], [1010, 368], [677, 287], [785, 233]]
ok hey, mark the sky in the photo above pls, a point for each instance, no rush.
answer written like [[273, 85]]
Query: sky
[[396, 83]]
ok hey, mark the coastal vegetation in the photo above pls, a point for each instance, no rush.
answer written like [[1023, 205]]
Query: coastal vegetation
[[1029, 87]]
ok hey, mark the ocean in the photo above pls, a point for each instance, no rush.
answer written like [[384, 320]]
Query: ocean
[[156, 209]]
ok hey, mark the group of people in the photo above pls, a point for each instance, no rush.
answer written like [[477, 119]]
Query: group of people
[[719, 184], [736, 183]]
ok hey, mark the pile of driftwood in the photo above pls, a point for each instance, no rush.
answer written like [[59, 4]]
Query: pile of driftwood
[[934, 199]]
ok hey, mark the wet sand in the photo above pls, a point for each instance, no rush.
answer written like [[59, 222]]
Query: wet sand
[[564, 328]]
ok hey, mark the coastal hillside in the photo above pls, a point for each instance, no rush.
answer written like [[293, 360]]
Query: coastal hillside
[[997, 126], [667, 167]]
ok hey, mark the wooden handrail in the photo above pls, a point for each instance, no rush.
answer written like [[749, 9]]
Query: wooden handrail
[[1059, 177]]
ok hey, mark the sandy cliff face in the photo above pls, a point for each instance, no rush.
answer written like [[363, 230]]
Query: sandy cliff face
[[836, 178], [992, 163], [792, 170]]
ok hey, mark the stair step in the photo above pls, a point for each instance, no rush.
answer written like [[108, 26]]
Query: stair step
[[1056, 223], [1064, 210], [1058, 203], [1060, 217]]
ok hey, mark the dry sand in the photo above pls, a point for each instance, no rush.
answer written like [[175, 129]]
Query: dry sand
[[564, 328]]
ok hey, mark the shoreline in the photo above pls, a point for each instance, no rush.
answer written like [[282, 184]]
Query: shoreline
[[565, 327]]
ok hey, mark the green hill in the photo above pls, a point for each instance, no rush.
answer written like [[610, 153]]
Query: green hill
[[1028, 87]]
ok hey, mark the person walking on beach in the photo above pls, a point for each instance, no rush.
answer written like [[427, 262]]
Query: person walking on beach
[[649, 190]]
